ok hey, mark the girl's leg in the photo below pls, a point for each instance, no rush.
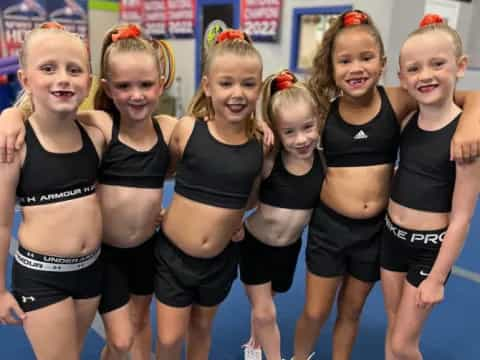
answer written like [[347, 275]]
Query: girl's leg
[[392, 286], [409, 321], [199, 335], [85, 310], [172, 325], [264, 318], [320, 295], [119, 331], [142, 341], [52, 331], [351, 299]]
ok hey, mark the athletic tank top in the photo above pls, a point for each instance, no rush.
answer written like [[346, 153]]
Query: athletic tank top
[[425, 177], [53, 177], [373, 143], [124, 166], [285, 190], [215, 173]]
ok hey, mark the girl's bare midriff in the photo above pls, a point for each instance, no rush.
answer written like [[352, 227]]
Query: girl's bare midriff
[[357, 192], [69, 228], [129, 214], [412, 219], [277, 226], [186, 226]]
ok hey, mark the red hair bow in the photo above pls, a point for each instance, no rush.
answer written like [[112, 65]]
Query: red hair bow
[[430, 19], [230, 35], [284, 80], [51, 25], [354, 17], [128, 32]]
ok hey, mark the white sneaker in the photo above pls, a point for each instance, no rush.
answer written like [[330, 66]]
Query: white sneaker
[[250, 353], [310, 357]]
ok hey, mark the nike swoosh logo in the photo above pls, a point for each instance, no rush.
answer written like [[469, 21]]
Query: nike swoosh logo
[[423, 273]]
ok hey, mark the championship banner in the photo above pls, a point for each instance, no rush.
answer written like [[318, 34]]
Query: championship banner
[[18, 18], [161, 18], [181, 18], [260, 19], [73, 15], [131, 11]]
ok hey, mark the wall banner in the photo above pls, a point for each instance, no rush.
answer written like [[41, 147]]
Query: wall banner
[[261, 19], [161, 18]]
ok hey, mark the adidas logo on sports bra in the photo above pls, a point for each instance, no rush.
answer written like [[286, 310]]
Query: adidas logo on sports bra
[[360, 135]]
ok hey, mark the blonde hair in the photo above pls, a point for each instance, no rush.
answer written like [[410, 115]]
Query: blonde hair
[[201, 105], [24, 100], [441, 27], [322, 81], [272, 100], [160, 51]]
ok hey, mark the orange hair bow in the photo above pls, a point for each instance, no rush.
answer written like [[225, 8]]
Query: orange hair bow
[[230, 35], [51, 25], [354, 17], [283, 80], [430, 19], [128, 32]]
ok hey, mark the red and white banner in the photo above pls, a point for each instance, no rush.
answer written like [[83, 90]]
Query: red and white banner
[[161, 18], [261, 19]]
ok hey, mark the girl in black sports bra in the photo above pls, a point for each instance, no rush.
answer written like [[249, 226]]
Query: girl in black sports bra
[[287, 194], [56, 277], [433, 199], [217, 160]]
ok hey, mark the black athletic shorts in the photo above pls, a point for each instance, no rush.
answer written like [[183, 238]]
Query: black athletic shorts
[[182, 280], [410, 251], [261, 263], [126, 271], [338, 245], [41, 280]]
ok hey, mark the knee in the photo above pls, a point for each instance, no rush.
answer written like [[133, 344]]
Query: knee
[[319, 315], [120, 343], [264, 315], [402, 349], [200, 325], [349, 313], [169, 341]]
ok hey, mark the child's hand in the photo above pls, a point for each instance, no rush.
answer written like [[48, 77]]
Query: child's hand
[[430, 292], [159, 218], [268, 136], [239, 234], [10, 311]]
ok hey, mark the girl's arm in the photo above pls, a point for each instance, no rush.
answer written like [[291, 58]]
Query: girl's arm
[[10, 311], [12, 133], [178, 140], [167, 125], [98, 119], [465, 144], [467, 187]]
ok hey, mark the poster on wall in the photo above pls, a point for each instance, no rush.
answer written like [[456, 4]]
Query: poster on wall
[[131, 11], [161, 18], [18, 18], [71, 14], [261, 19]]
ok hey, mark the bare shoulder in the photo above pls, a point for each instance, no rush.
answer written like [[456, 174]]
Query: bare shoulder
[[98, 119], [184, 127], [401, 101], [97, 137], [167, 124], [268, 162]]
